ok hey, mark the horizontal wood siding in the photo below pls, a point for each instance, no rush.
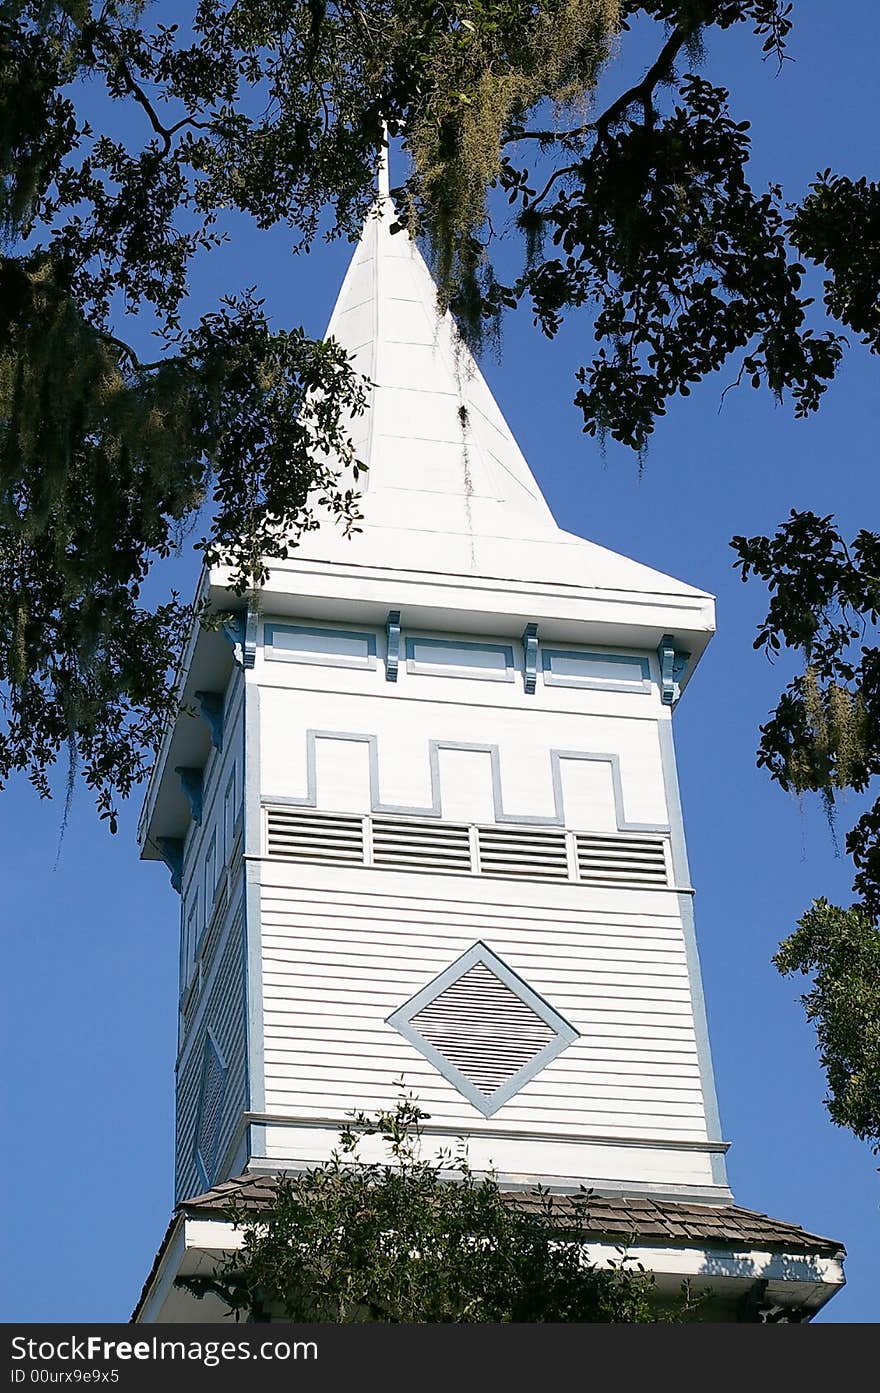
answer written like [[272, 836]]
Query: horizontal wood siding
[[337, 963], [224, 1013]]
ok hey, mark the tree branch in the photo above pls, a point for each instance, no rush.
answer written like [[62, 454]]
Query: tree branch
[[557, 174], [642, 91], [134, 89]]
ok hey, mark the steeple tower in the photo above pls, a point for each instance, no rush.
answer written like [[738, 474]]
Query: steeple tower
[[433, 437], [447, 487], [427, 826]]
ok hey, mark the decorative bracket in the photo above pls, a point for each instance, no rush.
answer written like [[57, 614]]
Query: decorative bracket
[[171, 851], [392, 642], [211, 709], [241, 631], [530, 657], [191, 783], [250, 638], [233, 629], [673, 666]]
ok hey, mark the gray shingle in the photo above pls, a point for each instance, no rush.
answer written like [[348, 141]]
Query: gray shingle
[[603, 1216]]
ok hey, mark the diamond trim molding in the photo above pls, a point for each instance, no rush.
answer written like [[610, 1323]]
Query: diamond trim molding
[[483, 1028], [209, 1118]]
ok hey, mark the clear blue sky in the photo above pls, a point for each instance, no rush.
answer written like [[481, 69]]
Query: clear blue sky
[[89, 982]]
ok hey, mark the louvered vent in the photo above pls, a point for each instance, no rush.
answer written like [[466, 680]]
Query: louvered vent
[[421, 846], [485, 1030], [212, 1091], [534, 853], [513, 851], [300, 834], [621, 860]]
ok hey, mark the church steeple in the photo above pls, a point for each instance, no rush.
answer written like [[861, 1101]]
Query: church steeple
[[441, 457], [447, 486], [423, 815]]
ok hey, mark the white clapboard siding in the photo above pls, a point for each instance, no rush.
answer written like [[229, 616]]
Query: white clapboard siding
[[375, 910], [628, 1118], [615, 1090], [369, 925], [628, 1071], [620, 1082], [602, 961], [604, 985], [336, 967], [620, 983], [224, 1014], [333, 1042]]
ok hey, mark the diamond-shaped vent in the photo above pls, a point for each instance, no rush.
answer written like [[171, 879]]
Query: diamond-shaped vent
[[483, 1028], [212, 1091]]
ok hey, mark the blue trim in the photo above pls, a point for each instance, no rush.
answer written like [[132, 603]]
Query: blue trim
[[171, 851], [241, 632], [556, 819], [255, 1091], [207, 1166], [250, 638], [402, 1018], [552, 679], [530, 657], [233, 630], [392, 645], [192, 783], [673, 666], [681, 876], [211, 711], [251, 838], [425, 666], [316, 658], [623, 823]]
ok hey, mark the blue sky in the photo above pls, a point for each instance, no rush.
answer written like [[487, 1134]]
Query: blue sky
[[89, 1026]]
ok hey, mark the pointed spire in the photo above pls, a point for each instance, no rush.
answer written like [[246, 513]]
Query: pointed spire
[[434, 436], [447, 487]]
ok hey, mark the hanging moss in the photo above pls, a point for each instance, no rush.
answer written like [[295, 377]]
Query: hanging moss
[[834, 748], [486, 75], [102, 461]]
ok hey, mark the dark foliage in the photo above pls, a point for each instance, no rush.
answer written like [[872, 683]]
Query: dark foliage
[[417, 1240], [824, 737]]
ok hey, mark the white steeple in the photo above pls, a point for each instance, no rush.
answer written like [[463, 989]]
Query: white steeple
[[447, 487], [423, 815]]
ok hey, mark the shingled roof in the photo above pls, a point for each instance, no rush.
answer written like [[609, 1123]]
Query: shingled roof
[[663, 1222]]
